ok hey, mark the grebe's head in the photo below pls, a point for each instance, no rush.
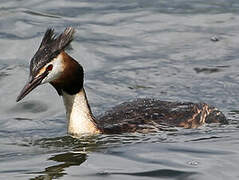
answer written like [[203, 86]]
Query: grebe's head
[[49, 62]]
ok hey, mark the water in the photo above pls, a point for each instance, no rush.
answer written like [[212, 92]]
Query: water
[[129, 49]]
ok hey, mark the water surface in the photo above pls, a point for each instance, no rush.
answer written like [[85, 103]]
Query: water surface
[[129, 49]]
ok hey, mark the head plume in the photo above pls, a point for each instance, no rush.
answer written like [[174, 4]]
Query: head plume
[[57, 43], [50, 47], [52, 65]]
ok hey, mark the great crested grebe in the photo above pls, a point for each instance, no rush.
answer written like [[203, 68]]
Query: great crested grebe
[[51, 64]]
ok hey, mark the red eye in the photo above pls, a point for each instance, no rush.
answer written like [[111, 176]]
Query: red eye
[[49, 68]]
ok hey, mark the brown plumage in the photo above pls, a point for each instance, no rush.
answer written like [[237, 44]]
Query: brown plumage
[[150, 115], [71, 81]]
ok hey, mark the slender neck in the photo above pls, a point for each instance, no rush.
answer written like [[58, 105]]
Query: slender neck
[[79, 115]]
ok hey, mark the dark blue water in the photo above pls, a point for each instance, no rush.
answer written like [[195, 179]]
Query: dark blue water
[[129, 49]]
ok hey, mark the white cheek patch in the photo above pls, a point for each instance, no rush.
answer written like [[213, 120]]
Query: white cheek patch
[[56, 70]]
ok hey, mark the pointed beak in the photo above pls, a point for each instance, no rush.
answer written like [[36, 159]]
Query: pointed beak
[[32, 84]]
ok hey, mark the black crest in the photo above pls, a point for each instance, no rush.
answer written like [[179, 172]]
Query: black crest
[[50, 47]]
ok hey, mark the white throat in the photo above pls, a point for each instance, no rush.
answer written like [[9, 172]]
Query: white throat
[[80, 118]]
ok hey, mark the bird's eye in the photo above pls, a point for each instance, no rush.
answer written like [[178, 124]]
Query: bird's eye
[[49, 67]]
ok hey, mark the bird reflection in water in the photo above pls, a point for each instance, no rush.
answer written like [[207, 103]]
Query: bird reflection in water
[[77, 148], [66, 160]]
